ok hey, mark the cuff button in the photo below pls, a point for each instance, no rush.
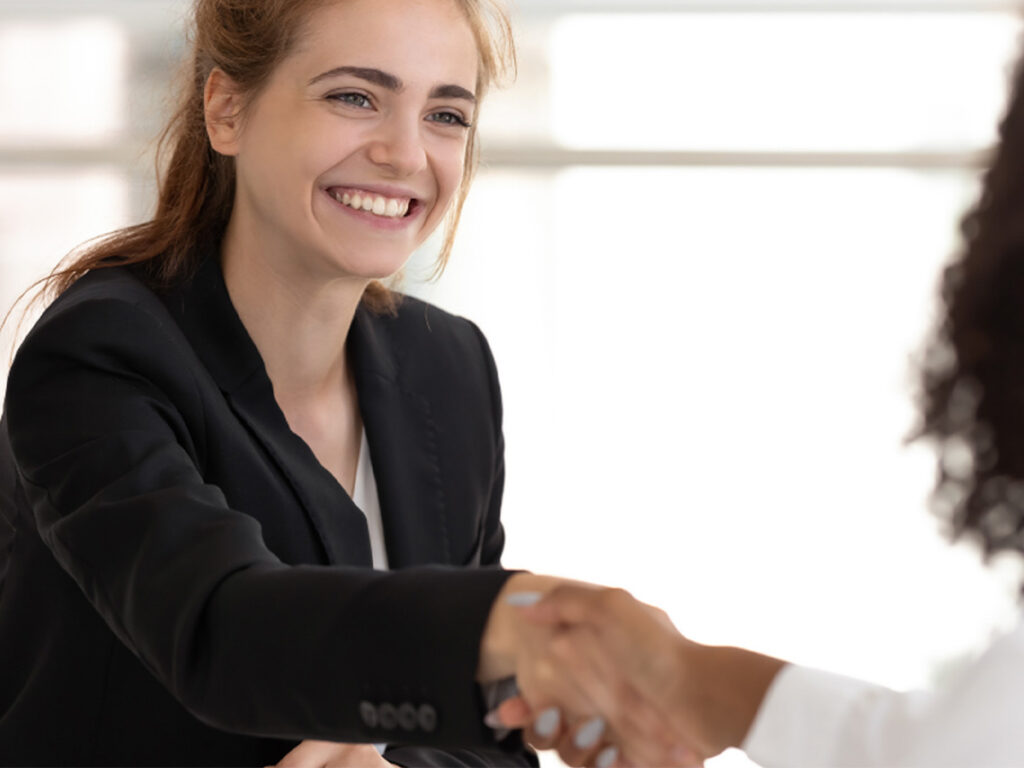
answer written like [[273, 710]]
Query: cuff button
[[388, 716], [407, 717], [368, 713], [428, 718]]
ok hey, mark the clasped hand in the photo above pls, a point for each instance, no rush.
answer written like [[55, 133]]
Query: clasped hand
[[607, 680], [604, 679], [598, 674]]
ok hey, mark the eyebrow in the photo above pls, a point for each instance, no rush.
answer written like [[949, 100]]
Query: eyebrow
[[392, 83]]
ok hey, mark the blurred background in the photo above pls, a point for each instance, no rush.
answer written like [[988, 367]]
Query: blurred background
[[704, 246]]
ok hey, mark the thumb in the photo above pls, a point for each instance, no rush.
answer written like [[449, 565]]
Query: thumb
[[565, 604]]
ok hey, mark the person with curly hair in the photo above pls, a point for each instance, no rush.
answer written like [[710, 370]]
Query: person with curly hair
[[971, 399]]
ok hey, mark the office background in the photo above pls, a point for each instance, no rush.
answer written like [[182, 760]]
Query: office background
[[704, 246]]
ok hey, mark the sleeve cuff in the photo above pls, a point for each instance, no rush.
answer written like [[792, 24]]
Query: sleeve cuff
[[815, 718]]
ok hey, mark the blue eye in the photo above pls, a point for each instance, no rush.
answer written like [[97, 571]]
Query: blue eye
[[353, 99], [449, 118]]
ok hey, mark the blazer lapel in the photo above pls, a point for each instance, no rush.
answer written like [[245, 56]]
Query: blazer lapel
[[402, 436], [340, 525], [204, 310]]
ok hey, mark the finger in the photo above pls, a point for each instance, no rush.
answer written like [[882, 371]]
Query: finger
[[632, 720], [546, 729], [582, 661], [308, 754], [635, 721], [511, 713], [581, 744], [363, 756], [552, 694], [640, 661], [607, 757], [356, 756]]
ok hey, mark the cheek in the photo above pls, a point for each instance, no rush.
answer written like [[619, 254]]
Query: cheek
[[265, 165], [290, 150], [450, 175]]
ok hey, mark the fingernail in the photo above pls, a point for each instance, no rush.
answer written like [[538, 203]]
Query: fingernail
[[547, 722], [523, 599], [606, 757], [590, 733], [493, 720]]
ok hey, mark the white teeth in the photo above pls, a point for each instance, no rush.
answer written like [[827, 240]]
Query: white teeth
[[391, 208]]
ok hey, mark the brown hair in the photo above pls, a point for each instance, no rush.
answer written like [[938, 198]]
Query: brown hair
[[247, 39], [972, 376]]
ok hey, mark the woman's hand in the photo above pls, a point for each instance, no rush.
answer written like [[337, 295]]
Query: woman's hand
[[330, 754], [708, 696], [576, 682]]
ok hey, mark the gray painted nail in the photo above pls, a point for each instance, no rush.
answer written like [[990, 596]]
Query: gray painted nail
[[606, 757], [590, 733], [493, 720], [547, 721], [523, 599]]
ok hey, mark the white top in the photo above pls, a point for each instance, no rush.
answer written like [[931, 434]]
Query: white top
[[364, 494], [815, 718]]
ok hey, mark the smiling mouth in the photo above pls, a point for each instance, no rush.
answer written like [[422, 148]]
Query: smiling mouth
[[378, 205]]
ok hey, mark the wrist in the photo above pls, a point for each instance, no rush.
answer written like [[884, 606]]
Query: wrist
[[506, 633], [729, 685]]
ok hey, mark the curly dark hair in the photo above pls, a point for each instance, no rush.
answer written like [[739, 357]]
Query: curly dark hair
[[972, 377]]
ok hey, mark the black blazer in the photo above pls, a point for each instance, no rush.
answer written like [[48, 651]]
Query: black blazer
[[184, 584]]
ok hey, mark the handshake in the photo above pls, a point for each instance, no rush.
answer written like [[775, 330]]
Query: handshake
[[608, 681]]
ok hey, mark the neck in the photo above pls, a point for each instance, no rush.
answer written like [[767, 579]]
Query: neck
[[298, 318]]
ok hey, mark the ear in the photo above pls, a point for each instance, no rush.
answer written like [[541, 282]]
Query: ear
[[222, 107]]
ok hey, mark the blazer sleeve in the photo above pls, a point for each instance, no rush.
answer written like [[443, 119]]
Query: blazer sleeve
[[105, 425]]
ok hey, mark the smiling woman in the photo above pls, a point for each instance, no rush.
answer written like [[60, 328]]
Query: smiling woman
[[375, 104], [229, 452]]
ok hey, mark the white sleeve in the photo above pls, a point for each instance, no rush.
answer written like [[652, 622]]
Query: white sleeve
[[815, 718]]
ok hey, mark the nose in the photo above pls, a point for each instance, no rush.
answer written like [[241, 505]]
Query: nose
[[398, 146]]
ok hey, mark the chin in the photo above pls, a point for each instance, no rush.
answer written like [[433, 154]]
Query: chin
[[372, 268]]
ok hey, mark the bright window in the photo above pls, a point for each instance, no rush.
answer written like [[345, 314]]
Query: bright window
[[703, 245]]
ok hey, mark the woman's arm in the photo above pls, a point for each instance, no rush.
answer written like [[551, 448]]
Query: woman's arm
[[785, 715], [107, 429]]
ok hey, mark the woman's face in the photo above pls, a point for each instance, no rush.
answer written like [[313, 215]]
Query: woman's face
[[350, 156]]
